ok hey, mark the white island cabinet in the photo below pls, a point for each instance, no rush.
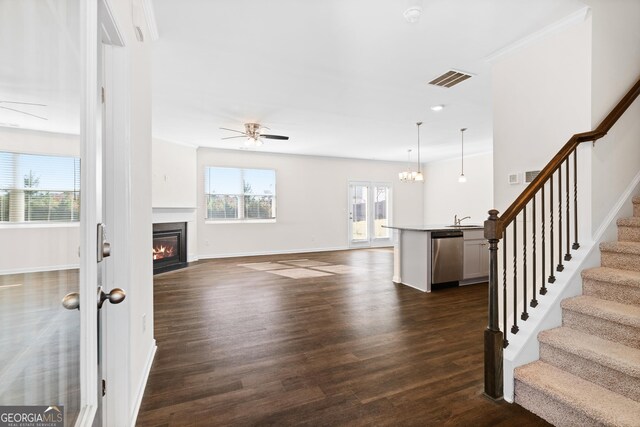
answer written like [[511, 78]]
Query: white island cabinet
[[412, 255], [476, 257]]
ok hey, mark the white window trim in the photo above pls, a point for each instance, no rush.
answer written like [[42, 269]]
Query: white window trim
[[242, 219]]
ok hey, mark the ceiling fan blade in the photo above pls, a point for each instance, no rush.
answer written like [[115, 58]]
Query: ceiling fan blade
[[231, 137], [23, 112], [23, 103], [280, 137], [233, 130]]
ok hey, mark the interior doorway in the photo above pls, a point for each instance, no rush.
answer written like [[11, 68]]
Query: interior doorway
[[369, 214]]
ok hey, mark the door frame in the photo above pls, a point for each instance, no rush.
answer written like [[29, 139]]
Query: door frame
[[372, 241], [95, 16], [115, 322]]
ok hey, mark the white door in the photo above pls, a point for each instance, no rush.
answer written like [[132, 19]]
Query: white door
[[51, 202], [369, 211]]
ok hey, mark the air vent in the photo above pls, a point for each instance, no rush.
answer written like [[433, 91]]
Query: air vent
[[530, 175], [450, 79]]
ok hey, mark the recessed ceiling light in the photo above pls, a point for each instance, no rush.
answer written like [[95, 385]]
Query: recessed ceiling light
[[437, 107]]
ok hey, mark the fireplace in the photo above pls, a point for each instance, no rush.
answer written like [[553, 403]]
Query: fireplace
[[169, 246]]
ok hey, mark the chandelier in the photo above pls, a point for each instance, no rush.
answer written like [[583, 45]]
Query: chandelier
[[409, 175]]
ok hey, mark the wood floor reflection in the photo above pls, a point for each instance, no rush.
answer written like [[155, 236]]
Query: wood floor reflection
[[39, 341], [240, 343]]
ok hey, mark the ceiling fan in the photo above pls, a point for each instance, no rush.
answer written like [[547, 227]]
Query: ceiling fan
[[252, 131], [20, 111]]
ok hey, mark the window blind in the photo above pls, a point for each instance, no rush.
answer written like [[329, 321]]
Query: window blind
[[240, 194], [39, 188]]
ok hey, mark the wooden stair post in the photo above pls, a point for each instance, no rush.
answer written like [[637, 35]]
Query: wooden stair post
[[493, 338]]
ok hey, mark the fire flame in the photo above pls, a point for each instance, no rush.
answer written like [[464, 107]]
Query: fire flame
[[162, 251]]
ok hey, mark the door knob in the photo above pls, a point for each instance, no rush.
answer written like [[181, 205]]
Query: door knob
[[116, 296], [71, 301]]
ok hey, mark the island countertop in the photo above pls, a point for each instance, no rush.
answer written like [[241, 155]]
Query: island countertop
[[435, 227]]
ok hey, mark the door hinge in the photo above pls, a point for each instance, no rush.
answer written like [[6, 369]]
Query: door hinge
[[102, 94], [104, 387]]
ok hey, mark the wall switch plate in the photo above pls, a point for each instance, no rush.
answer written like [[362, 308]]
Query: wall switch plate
[[514, 178]]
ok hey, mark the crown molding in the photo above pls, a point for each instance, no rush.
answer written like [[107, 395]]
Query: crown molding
[[574, 18]]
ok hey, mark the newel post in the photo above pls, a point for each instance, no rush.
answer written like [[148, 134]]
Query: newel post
[[493, 338]]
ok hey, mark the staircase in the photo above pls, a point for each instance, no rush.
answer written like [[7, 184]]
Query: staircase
[[589, 369]]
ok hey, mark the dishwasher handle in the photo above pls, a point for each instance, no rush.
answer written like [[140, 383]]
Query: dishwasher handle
[[446, 234]]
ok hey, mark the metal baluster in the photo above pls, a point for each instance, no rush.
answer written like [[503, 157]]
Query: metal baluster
[[514, 328], [552, 278], [524, 315], [567, 256], [534, 301], [560, 267], [543, 288], [504, 289], [575, 245]]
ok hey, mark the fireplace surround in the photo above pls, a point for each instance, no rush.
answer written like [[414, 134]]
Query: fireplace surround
[[169, 246]]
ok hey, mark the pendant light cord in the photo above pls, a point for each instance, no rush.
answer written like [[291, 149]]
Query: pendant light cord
[[462, 147], [418, 124]]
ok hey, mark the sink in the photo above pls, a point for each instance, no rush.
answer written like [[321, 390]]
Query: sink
[[465, 226]]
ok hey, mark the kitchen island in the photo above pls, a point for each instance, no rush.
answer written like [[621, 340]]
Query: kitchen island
[[413, 255]]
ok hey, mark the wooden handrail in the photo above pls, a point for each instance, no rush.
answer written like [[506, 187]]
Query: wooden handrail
[[603, 128]]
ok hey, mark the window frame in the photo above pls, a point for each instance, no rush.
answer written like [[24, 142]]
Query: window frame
[[240, 198], [44, 223]]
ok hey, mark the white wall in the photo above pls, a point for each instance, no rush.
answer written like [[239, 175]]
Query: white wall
[[446, 197], [135, 344], [541, 97], [174, 175], [616, 67], [38, 247], [311, 202]]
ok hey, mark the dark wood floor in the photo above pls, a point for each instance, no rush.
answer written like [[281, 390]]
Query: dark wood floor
[[242, 346]]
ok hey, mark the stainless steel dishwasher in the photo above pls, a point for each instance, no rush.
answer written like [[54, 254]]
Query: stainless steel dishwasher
[[447, 256]]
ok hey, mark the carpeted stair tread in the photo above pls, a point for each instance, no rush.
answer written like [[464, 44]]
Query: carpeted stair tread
[[603, 352], [633, 221], [624, 314], [613, 275], [597, 403], [636, 200], [621, 247]]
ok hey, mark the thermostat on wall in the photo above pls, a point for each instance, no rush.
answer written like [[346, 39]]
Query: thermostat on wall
[[514, 178]]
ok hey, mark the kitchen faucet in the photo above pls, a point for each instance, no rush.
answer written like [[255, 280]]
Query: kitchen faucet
[[457, 221]]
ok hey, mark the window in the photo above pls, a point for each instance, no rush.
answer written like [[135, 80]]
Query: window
[[240, 194], [37, 188]]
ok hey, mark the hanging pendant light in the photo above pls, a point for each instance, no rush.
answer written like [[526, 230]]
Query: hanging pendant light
[[409, 175], [419, 176], [462, 178]]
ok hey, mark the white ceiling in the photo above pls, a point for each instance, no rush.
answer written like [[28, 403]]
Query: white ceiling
[[39, 47], [343, 78]]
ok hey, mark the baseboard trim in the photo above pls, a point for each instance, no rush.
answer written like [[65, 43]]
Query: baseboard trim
[[39, 269], [143, 384], [610, 219]]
